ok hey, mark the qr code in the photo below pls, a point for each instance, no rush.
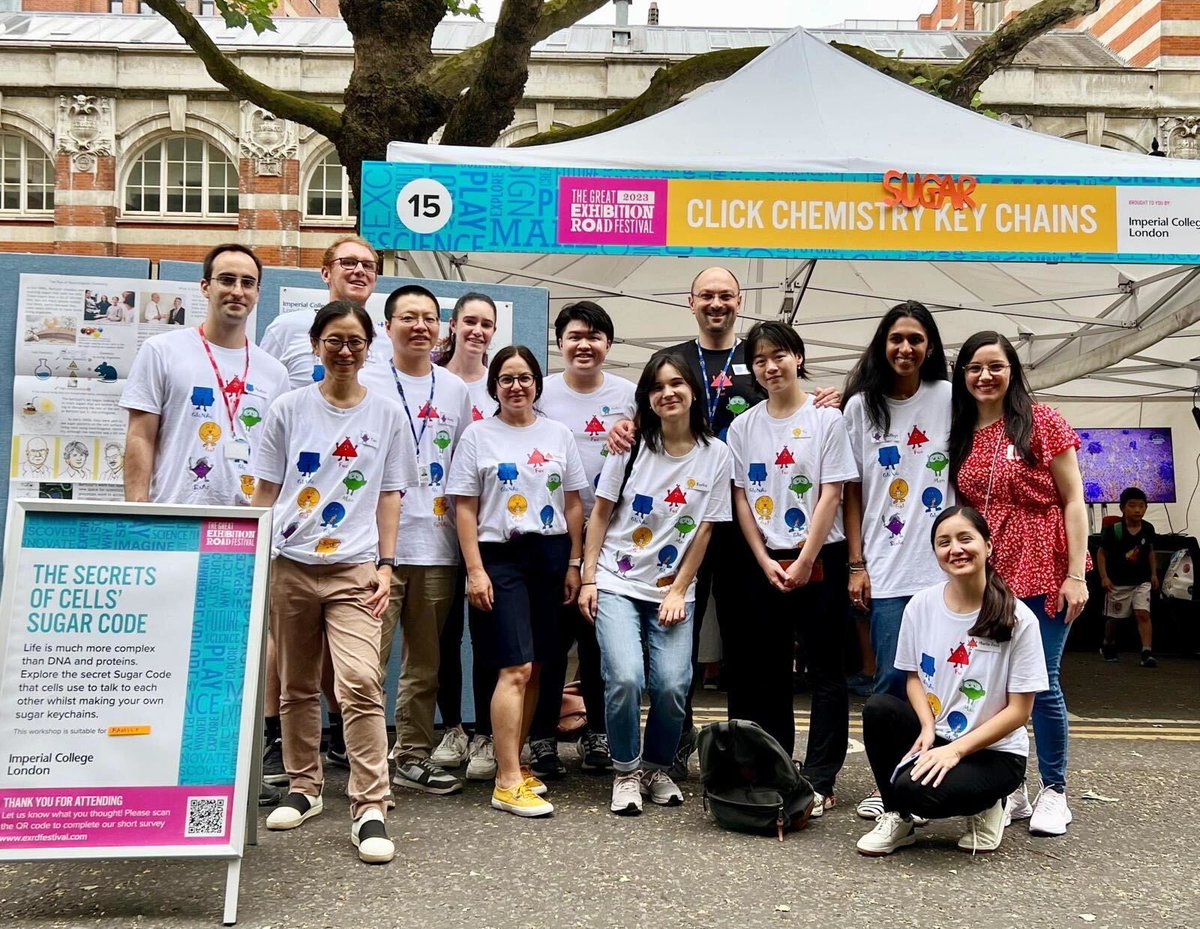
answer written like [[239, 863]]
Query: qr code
[[205, 817]]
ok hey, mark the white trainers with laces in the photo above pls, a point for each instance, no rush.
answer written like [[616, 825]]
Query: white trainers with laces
[[658, 786], [481, 759], [984, 830], [452, 751], [821, 803], [1017, 806], [1051, 815], [627, 794], [892, 831]]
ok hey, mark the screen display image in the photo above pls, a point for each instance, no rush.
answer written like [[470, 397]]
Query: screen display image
[[1113, 459]]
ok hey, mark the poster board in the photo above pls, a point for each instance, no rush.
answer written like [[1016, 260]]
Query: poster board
[[128, 716]]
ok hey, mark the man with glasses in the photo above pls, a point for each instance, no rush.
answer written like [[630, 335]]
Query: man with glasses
[[350, 268], [437, 408]]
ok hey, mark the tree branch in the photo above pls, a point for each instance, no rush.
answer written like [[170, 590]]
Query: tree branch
[[449, 76], [481, 114], [323, 119], [668, 86]]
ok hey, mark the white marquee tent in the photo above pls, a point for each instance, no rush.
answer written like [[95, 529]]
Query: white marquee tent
[[1109, 344]]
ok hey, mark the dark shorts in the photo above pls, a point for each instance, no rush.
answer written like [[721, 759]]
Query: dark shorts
[[527, 574]]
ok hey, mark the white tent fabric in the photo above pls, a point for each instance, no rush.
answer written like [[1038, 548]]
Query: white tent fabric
[[802, 107]]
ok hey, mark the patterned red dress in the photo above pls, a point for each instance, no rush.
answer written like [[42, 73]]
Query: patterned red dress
[[1024, 510]]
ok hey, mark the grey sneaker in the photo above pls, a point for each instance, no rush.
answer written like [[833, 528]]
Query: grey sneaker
[[425, 776], [984, 830], [1017, 806], [627, 794], [452, 751], [658, 786], [481, 759], [687, 745]]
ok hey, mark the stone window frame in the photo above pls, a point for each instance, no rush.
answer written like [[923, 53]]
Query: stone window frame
[[28, 151], [319, 166], [212, 156]]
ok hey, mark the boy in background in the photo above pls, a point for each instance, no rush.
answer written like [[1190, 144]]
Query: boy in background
[[1128, 573]]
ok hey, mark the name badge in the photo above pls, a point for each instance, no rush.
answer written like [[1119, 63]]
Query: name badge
[[237, 449], [700, 485], [988, 648], [741, 370], [1010, 453], [423, 476]]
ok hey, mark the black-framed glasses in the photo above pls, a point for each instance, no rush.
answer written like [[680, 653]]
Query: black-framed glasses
[[335, 344], [995, 369], [507, 380], [349, 264]]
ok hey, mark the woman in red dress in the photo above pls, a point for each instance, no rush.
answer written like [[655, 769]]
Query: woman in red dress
[[1014, 461]]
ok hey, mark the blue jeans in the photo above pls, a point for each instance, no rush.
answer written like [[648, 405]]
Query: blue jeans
[[623, 626], [1050, 730], [886, 613]]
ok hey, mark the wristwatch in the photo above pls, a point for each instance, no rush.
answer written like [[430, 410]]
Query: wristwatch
[[386, 563]]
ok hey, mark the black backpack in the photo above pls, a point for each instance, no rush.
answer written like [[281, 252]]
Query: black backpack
[[750, 784]]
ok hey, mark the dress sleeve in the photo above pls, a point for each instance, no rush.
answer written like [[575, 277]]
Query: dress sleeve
[[1054, 435]]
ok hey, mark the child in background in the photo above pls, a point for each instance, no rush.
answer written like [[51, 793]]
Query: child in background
[[1128, 573]]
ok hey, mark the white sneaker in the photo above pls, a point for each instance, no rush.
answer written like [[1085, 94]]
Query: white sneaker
[[1051, 815], [821, 803], [984, 830], [370, 837], [481, 759], [1017, 806], [627, 794], [452, 751], [892, 831], [658, 786]]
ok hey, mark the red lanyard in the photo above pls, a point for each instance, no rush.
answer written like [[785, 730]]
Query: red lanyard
[[241, 387]]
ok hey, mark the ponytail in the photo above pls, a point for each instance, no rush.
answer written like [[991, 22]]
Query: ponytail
[[998, 613]]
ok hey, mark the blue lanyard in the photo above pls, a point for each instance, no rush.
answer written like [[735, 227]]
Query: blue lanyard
[[417, 437], [713, 397]]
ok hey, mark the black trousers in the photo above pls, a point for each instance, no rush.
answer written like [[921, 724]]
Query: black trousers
[[758, 638], [483, 675], [717, 576], [891, 726], [574, 628]]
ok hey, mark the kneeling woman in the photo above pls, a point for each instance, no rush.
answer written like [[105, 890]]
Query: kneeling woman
[[958, 745], [655, 507], [335, 538], [516, 479]]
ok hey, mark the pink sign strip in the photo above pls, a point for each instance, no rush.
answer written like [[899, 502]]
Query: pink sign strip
[[114, 817], [612, 211], [229, 536]]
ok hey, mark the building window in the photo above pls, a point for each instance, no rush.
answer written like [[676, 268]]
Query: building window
[[26, 176], [182, 175], [328, 195], [208, 8], [116, 6]]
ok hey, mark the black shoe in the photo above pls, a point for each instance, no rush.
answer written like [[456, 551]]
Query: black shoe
[[336, 759], [687, 745], [593, 750], [273, 771], [1148, 660], [1108, 651], [544, 760], [267, 795], [427, 777]]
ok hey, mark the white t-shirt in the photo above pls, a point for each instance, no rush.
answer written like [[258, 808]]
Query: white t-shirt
[[781, 465], [331, 465], [482, 405], [968, 678], [664, 502], [287, 339], [589, 417], [519, 474], [427, 534], [173, 378], [905, 484]]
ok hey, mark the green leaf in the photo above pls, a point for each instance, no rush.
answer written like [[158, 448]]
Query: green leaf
[[255, 13], [918, 81], [460, 8]]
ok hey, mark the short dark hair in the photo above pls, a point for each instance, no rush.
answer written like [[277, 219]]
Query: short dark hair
[[337, 309], [592, 315], [513, 351], [206, 272], [409, 290], [1133, 493], [779, 335]]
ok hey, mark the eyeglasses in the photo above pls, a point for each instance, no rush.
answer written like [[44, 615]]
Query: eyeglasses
[[995, 369], [507, 380], [230, 281], [349, 264], [409, 320], [334, 344], [725, 296]]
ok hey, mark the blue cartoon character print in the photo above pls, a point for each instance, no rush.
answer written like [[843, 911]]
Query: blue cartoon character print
[[928, 667], [506, 471], [756, 474], [889, 457], [643, 506], [202, 399], [932, 498], [332, 515], [308, 463]]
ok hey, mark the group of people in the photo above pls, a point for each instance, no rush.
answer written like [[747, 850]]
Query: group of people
[[413, 483]]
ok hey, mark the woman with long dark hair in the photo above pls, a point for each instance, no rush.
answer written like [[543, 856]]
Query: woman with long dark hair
[[790, 460], [516, 479], [654, 510], [897, 409], [1015, 461], [972, 653]]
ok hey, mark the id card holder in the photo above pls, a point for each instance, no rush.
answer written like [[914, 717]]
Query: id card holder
[[423, 477], [237, 449]]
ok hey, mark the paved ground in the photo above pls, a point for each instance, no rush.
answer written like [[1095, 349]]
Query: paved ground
[[1125, 864]]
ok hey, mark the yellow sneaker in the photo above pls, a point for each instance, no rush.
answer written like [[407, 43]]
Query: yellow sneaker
[[521, 801], [532, 782]]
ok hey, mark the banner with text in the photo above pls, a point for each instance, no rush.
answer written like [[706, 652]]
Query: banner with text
[[469, 208], [129, 655]]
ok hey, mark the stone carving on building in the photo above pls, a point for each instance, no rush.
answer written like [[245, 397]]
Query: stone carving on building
[[1020, 120], [266, 140], [85, 130], [1182, 135]]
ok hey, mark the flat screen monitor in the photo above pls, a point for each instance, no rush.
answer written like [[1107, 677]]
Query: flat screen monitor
[[1113, 459]]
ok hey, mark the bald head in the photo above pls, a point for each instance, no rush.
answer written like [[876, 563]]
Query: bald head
[[715, 299]]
